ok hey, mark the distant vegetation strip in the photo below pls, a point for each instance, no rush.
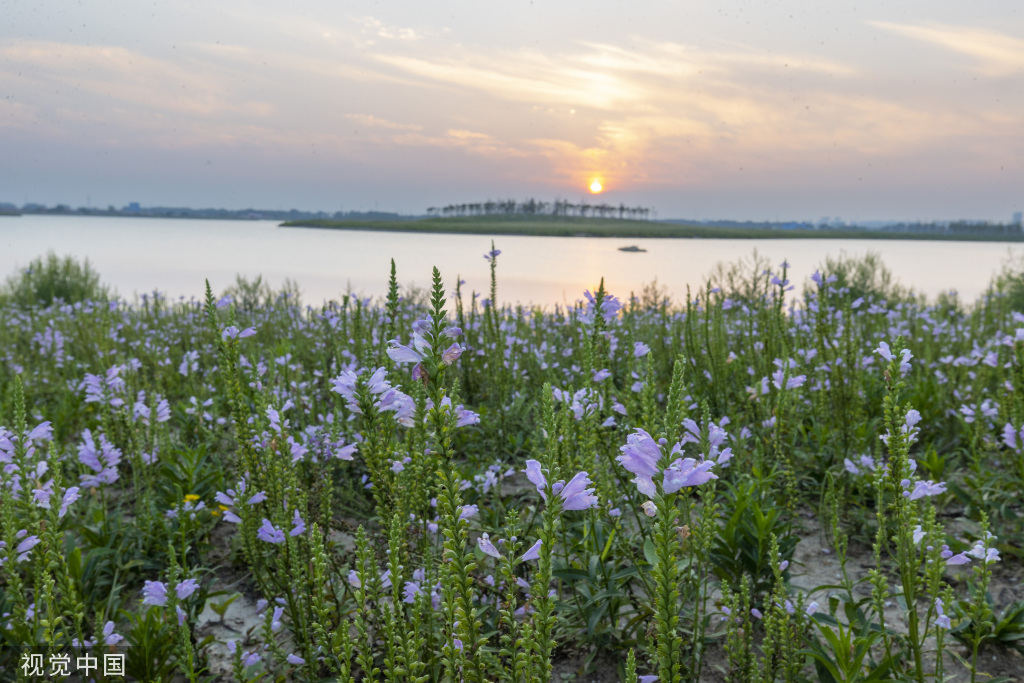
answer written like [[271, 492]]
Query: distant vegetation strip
[[598, 227]]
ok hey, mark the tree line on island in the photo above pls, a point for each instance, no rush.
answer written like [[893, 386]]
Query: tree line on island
[[560, 208]]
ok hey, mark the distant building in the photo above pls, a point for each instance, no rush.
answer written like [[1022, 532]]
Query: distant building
[[1017, 217], [133, 207]]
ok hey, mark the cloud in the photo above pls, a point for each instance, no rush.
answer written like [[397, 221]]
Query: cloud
[[375, 122], [672, 113], [636, 112], [376, 27], [997, 53], [111, 78]]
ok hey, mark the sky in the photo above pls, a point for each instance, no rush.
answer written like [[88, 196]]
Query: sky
[[750, 110]]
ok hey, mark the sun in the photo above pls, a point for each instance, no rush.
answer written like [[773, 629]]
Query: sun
[[596, 186]]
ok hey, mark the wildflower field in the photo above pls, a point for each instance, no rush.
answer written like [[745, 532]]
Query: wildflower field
[[746, 483]]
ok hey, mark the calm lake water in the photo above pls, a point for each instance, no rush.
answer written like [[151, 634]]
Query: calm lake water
[[137, 255]]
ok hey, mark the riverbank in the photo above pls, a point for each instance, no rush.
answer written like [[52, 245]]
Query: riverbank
[[607, 227]]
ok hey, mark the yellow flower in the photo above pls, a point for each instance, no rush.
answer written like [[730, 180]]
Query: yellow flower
[[192, 497]]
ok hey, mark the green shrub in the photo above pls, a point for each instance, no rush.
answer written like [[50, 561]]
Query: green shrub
[[47, 280], [1010, 282], [865, 276], [249, 295]]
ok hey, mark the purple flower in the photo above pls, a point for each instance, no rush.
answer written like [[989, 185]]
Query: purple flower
[[298, 524], [451, 354], [536, 477], [610, 307], [411, 589], [487, 547], [640, 349], [163, 411], [186, 588], [791, 382], [492, 254], [983, 552], [463, 417], [25, 547], [904, 360], [640, 456], [109, 637], [533, 553], [269, 533], [231, 332], [42, 432], [154, 593], [927, 488], [959, 558], [414, 353], [102, 458], [576, 496], [295, 659], [687, 472], [1011, 438], [70, 496], [941, 618], [41, 496], [467, 511]]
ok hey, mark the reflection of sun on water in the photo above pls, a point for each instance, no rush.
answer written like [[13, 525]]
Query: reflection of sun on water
[[596, 187]]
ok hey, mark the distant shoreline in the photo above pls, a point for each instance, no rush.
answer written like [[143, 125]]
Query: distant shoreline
[[605, 227]]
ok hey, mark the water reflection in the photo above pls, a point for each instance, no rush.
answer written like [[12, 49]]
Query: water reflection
[[137, 255]]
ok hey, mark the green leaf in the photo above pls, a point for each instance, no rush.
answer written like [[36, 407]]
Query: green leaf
[[650, 552]]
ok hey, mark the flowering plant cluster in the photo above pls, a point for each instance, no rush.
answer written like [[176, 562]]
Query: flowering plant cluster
[[434, 486]]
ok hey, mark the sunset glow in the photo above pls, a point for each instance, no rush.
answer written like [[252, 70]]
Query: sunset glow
[[398, 106]]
